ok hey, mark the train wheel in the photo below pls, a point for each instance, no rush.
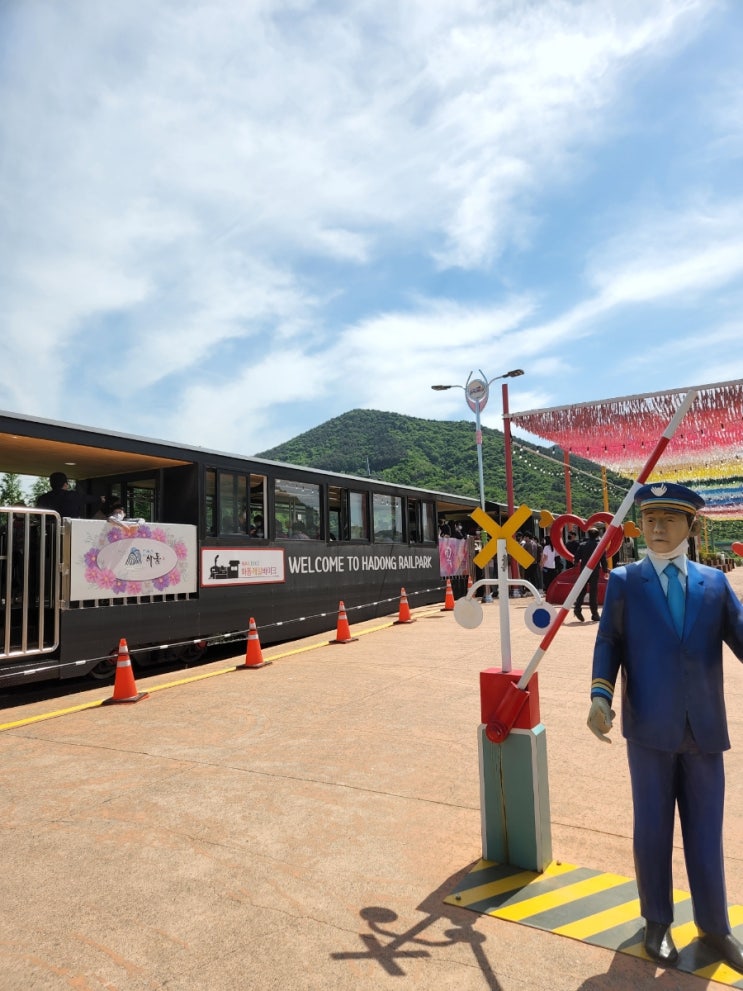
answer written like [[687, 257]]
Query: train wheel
[[105, 669], [192, 652]]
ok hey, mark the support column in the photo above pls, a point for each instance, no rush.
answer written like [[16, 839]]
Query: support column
[[514, 789]]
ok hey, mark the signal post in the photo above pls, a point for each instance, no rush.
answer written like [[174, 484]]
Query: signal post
[[514, 787]]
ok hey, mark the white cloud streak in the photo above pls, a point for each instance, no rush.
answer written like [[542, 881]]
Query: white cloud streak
[[200, 180]]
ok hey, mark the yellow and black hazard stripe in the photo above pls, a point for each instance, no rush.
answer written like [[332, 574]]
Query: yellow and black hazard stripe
[[592, 906]]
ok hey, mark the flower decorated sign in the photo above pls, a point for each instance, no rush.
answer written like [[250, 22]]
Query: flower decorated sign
[[143, 559]]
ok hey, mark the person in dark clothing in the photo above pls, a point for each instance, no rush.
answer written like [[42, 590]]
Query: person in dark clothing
[[571, 546], [585, 550], [64, 500]]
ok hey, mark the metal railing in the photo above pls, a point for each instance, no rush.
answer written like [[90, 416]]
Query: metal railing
[[29, 581]]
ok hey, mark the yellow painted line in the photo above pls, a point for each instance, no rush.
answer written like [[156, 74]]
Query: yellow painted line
[[189, 679], [29, 720], [50, 715], [610, 917], [720, 971], [482, 865], [484, 891], [551, 899], [685, 933], [512, 883], [600, 921]]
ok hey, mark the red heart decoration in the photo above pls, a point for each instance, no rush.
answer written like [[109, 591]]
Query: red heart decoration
[[737, 548], [575, 521]]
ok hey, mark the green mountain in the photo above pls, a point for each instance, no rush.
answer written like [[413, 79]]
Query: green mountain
[[442, 455]]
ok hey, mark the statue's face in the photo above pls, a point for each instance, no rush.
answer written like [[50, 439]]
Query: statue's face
[[663, 529]]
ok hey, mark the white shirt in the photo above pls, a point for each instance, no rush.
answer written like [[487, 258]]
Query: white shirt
[[660, 564], [549, 556]]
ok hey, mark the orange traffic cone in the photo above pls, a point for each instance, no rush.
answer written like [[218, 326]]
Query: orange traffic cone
[[343, 631], [253, 654], [404, 615], [125, 689], [448, 598]]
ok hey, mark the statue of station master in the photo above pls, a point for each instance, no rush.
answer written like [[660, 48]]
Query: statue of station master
[[664, 628]]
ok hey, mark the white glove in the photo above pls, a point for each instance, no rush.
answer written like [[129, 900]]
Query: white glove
[[600, 719]]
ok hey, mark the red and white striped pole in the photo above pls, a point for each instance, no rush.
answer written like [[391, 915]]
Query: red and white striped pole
[[515, 695]]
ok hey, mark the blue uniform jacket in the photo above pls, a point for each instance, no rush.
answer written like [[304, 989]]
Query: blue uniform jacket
[[666, 678]]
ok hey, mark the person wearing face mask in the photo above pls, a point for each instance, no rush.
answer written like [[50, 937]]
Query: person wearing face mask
[[664, 622], [117, 517]]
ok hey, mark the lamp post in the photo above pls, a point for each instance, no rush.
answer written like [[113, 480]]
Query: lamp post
[[476, 392]]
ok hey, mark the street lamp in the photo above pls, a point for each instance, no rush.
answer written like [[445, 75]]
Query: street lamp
[[476, 393]]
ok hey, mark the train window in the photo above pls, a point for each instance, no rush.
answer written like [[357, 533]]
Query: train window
[[337, 513], [233, 498], [387, 517], [210, 493], [428, 522], [358, 516], [348, 514], [421, 521], [414, 521], [257, 515], [297, 509]]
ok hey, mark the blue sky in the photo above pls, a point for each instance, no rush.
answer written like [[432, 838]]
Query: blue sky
[[224, 223]]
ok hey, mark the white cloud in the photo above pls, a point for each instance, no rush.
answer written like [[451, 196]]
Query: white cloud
[[191, 186], [243, 412], [662, 259]]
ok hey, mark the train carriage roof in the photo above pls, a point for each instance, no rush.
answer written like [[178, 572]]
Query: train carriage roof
[[35, 446]]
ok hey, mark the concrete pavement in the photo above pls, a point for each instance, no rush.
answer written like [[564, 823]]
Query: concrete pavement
[[299, 826]]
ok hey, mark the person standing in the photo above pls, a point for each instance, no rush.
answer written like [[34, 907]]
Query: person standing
[[582, 557], [64, 500], [548, 563], [531, 572], [664, 622]]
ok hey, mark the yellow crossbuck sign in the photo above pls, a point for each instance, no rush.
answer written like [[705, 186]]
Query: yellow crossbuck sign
[[506, 532]]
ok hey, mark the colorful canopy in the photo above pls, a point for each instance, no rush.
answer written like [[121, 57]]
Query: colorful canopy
[[705, 453]]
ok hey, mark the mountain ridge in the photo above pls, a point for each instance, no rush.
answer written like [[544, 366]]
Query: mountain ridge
[[442, 455]]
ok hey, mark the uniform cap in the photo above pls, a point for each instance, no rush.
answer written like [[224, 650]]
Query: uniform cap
[[668, 495]]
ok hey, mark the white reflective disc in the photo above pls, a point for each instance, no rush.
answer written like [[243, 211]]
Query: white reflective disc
[[468, 612]]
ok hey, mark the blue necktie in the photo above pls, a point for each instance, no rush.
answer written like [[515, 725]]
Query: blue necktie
[[676, 597]]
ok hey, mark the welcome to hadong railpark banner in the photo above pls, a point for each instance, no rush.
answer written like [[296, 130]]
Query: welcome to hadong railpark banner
[[222, 566]]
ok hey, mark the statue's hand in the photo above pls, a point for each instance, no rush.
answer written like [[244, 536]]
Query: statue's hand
[[600, 719]]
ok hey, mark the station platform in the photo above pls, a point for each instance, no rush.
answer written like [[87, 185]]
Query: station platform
[[315, 824]]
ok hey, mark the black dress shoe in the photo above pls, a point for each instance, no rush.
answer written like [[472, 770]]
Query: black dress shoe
[[729, 948], [659, 944], [595, 617], [578, 614]]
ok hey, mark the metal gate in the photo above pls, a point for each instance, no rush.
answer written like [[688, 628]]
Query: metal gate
[[29, 581]]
